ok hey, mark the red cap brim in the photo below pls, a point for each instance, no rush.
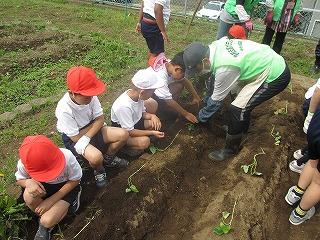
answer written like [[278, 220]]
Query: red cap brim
[[97, 90]]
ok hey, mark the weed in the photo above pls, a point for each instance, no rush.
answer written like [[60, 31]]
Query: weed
[[153, 149], [276, 135], [131, 187], [59, 234], [191, 127], [282, 111], [251, 168], [225, 227]]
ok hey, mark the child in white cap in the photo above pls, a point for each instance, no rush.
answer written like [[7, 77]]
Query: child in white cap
[[134, 110]]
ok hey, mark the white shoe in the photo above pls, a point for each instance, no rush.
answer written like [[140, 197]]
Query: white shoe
[[293, 165], [296, 220], [298, 154], [291, 197]]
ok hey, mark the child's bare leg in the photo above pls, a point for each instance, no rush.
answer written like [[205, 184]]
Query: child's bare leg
[[55, 214], [31, 202], [312, 195], [176, 89], [94, 157], [151, 106], [307, 173], [115, 137], [138, 143]]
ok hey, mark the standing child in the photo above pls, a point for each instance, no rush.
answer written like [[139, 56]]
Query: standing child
[[134, 110], [172, 76], [153, 17], [81, 122], [50, 177]]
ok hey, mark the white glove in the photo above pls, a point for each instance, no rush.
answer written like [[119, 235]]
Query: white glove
[[82, 143], [307, 122]]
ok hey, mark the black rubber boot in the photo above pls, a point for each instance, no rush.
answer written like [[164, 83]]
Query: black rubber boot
[[232, 147]]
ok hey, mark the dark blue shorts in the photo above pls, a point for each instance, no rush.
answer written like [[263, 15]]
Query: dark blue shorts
[[313, 137], [153, 37], [139, 125]]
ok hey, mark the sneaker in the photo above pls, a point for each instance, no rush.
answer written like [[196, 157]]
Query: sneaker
[[76, 203], [115, 162], [293, 165], [43, 233], [298, 154], [291, 197], [295, 219], [101, 178]]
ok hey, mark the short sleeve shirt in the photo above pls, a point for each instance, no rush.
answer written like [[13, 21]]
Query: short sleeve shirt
[[166, 79], [148, 7]]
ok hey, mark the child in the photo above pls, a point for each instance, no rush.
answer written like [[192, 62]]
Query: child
[[237, 32], [134, 110], [172, 77], [153, 17], [50, 177], [308, 188], [81, 122]]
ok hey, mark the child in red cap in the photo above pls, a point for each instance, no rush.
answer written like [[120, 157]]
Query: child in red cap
[[81, 122], [50, 177], [237, 32]]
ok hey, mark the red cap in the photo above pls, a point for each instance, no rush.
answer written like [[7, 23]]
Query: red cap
[[238, 32], [84, 81], [42, 159]]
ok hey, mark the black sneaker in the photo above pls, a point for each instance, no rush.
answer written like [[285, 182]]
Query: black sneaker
[[101, 178], [115, 162], [76, 203], [43, 233]]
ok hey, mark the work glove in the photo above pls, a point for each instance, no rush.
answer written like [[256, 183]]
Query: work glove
[[296, 19], [268, 18], [307, 122], [81, 145], [249, 25]]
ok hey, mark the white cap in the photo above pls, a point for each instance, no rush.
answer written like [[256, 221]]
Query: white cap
[[146, 79]]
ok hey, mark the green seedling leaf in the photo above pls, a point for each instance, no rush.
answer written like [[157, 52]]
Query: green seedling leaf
[[245, 168], [218, 231], [128, 190], [225, 228], [258, 173], [225, 215], [191, 127], [134, 188], [153, 149]]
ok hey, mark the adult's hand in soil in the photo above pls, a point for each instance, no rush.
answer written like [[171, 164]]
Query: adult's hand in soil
[[44, 206], [158, 134], [35, 188], [138, 27], [191, 118], [165, 37], [155, 122]]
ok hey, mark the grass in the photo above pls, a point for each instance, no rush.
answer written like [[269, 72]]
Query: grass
[[107, 43]]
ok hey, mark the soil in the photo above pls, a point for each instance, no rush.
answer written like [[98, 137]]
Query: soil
[[182, 193]]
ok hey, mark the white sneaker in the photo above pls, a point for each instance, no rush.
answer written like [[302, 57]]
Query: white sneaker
[[292, 198], [298, 154], [293, 165], [296, 220]]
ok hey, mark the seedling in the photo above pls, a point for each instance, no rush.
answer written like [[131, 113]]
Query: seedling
[[131, 187], [225, 227], [290, 87], [251, 168], [153, 149], [191, 127], [282, 111], [276, 135]]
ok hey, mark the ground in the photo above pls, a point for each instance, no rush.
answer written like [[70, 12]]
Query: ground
[[181, 192]]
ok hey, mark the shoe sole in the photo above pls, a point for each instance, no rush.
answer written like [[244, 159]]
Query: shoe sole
[[294, 169]]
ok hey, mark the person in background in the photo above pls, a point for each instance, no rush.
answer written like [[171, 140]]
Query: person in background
[[316, 68], [281, 14]]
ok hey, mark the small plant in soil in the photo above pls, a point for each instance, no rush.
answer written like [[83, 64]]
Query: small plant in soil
[[282, 111], [276, 135], [224, 227], [252, 168], [131, 187], [153, 149], [191, 127]]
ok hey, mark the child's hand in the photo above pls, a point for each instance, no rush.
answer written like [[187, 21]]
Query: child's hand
[[138, 27], [191, 118], [158, 134], [35, 188], [165, 37], [155, 122], [44, 206]]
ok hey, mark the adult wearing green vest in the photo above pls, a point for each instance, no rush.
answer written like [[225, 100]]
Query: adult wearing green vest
[[252, 71], [280, 16], [236, 12]]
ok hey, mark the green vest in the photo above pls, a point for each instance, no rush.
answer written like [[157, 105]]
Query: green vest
[[230, 6], [277, 9], [252, 58]]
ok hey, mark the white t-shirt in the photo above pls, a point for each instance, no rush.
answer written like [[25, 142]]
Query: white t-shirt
[[166, 79], [311, 90], [71, 172], [127, 112], [72, 117], [148, 7]]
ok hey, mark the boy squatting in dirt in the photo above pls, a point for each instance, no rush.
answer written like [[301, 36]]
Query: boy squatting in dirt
[[81, 122], [307, 191], [50, 177], [253, 70], [134, 110]]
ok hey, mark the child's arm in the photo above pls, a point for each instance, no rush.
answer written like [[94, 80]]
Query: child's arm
[[33, 187], [196, 99], [49, 202], [155, 121], [142, 133], [158, 11], [174, 105], [138, 26]]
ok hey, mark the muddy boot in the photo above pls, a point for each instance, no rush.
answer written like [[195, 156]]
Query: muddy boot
[[231, 148]]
